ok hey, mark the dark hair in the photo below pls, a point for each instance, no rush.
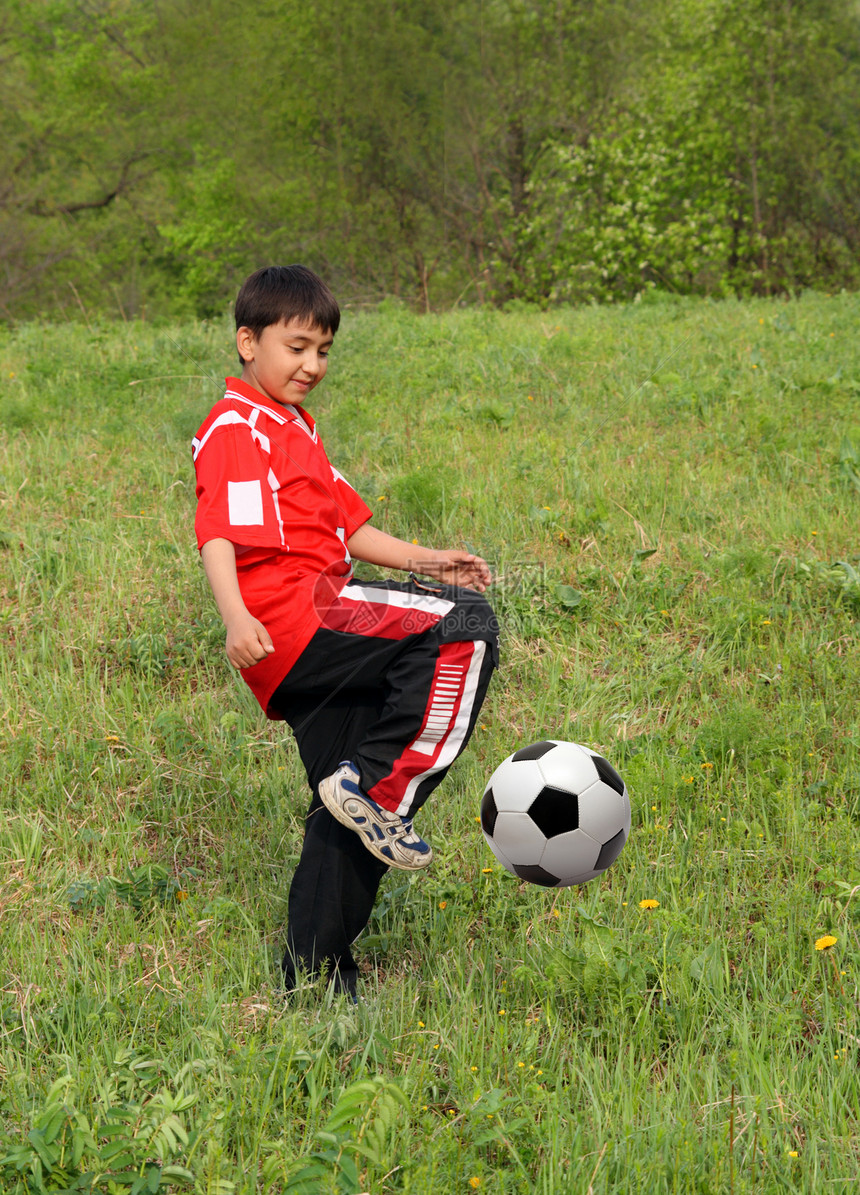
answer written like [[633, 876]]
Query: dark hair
[[286, 293]]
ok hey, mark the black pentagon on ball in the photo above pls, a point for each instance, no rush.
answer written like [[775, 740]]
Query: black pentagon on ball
[[607, 774], [536, 875], [554, 811], [489, 812], [534, 751], [610, 851]]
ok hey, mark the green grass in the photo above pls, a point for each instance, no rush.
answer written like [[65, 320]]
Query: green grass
[[669, 494]]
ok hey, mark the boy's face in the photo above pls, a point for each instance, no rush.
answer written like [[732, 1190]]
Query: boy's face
[[286, 361]]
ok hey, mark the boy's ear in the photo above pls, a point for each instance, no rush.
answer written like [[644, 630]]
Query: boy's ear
[[246, 343]]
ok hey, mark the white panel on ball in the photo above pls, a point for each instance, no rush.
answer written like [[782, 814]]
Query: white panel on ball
[[568, 767], [515, 785], [570, 855], [519, 838], [602, 811]]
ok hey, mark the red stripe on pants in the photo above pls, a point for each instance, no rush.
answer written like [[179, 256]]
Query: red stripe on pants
[[442, 709], [378, 619]]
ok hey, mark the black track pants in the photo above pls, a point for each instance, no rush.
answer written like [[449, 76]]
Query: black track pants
[[393, 680]]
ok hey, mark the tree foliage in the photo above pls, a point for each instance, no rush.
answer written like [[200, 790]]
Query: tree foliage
[[475, 150]]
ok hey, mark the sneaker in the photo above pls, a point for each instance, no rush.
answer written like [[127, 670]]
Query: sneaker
[[385, 834]]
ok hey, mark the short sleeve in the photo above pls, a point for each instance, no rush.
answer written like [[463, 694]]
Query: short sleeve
[[355, 510], [235, 498]]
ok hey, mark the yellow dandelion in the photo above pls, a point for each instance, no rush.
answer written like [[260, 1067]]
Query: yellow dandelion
[[532, 397], [181, 895], [420, 1024], [825, 943], [473, 1068], [649, 904], [707, 765], [792, 1153], [474, 1182], [443, 904], [487, 871], [502, 1012]]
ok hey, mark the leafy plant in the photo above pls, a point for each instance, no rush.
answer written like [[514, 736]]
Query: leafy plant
[[142, 887], [357, 1134], [131, 1148]]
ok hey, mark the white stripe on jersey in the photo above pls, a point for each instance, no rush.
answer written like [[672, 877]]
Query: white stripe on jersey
[[294, 416], [457, 736], [225, 418], [275, 485]]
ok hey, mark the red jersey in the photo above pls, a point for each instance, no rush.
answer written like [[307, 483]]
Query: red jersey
[[264, 482]]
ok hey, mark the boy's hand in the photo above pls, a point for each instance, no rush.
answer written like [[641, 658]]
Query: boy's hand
[[453, 567], [248, 641]]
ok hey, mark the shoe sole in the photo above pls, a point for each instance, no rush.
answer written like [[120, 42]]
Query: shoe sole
[[369, 838]]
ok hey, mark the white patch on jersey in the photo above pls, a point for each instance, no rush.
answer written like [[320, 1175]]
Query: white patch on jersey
[[245, 503]]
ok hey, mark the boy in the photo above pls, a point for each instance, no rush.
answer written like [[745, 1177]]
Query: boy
[[380, 682]]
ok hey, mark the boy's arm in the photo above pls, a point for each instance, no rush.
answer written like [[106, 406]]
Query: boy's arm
[[450, 565], [247, 639]]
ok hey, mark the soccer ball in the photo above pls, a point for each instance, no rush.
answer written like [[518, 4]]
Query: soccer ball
[[555, 814]]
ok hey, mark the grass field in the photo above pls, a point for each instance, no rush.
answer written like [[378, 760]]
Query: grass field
[[669, 494]]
